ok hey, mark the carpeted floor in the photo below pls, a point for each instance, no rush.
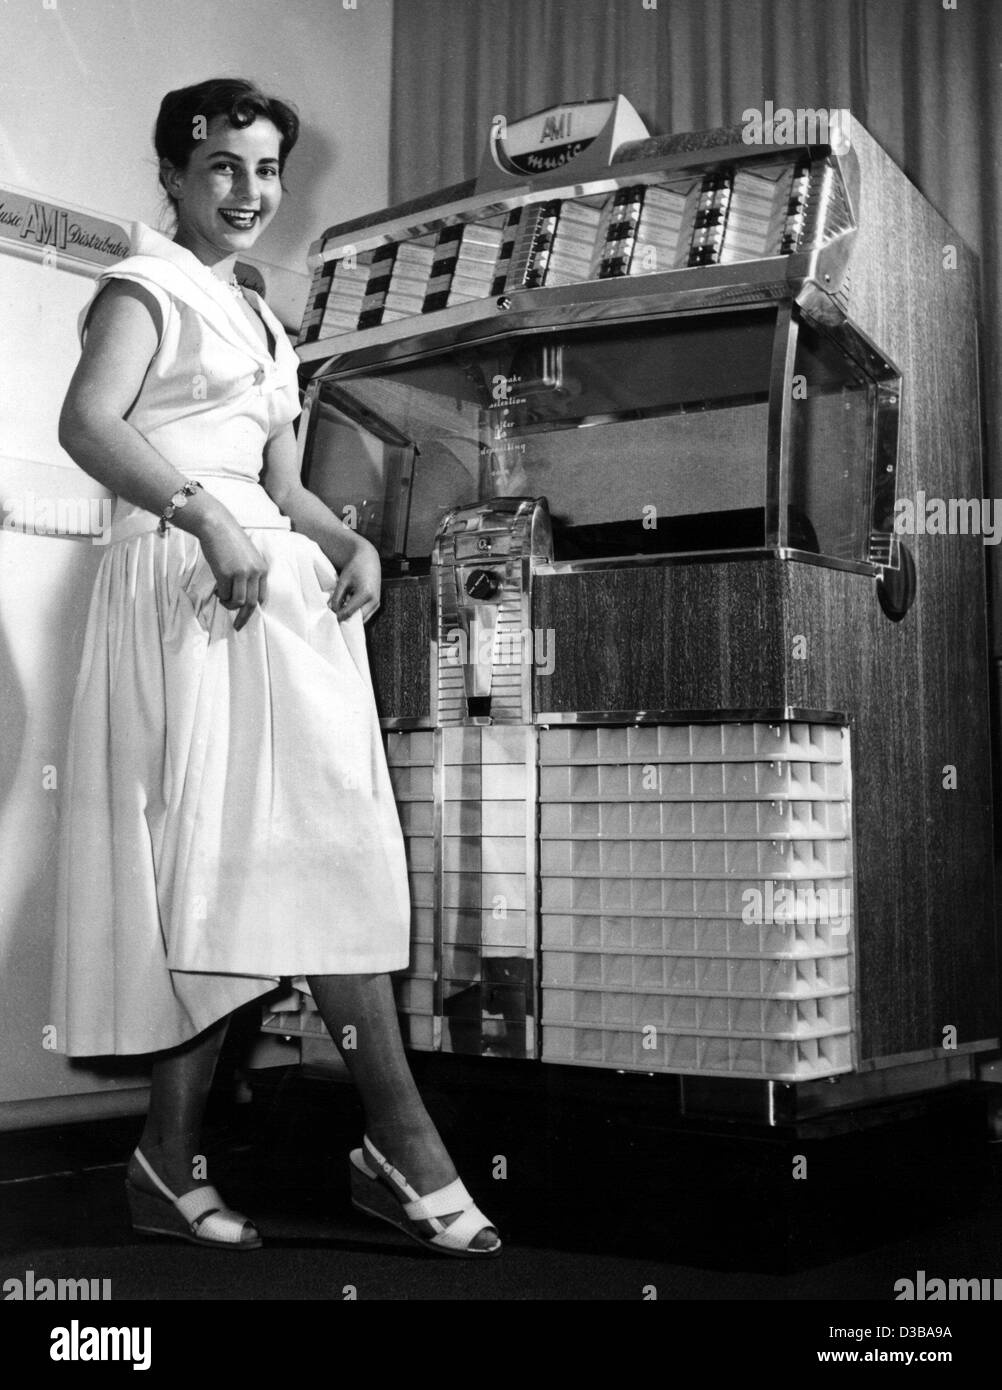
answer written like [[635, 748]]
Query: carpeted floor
[[595, 1202]]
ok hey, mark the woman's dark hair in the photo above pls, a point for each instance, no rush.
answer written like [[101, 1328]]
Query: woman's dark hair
[[185, 114]]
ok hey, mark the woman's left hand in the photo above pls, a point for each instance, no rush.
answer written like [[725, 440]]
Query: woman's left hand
[[359, 583]]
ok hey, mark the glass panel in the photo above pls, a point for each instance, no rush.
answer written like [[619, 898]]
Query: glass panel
[[359, 467], [644, 438], [830, 462]]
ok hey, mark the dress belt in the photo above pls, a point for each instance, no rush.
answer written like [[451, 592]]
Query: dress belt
[[244, 497]]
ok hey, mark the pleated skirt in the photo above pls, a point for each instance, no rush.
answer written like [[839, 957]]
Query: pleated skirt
[[226, 814]]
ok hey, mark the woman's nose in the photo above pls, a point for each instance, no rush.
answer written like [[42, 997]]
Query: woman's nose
[[248, 185]]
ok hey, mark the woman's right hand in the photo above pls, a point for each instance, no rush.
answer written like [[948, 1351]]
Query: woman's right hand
[[240, 569]]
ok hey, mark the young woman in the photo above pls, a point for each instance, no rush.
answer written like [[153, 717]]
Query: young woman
[[228, 818]]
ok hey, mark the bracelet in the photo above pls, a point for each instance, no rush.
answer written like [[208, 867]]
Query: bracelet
[[180, 499]]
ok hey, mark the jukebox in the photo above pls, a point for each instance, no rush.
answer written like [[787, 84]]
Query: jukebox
[[688, 726]]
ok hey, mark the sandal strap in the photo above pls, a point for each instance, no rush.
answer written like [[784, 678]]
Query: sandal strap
[[210, 1218], [224, 1225], [454, 1197], [395, 1176], [459, 1234], [154, 1178], [199, 1203], [443, 1202]]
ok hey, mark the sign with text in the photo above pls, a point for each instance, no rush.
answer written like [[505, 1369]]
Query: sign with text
[[50, 231], [579, 136]]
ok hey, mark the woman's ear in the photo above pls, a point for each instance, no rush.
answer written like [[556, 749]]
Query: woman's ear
[[171, 179]]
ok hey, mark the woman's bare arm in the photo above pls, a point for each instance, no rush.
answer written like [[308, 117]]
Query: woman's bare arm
[[120, 344]]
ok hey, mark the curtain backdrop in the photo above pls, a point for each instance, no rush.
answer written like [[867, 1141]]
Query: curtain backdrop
[[925, 80]]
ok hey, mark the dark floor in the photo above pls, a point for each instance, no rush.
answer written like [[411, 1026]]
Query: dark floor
[[597, 1195]]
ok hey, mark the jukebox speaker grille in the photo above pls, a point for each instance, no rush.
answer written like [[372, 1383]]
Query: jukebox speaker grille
[[696, 899]]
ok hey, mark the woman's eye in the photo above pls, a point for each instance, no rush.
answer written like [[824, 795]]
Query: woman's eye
[[268, 173]]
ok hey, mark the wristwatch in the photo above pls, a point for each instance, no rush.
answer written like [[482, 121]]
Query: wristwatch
[[180, 499]]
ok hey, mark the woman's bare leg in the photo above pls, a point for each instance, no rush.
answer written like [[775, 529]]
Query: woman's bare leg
[[395, 1116], [180, 1086]]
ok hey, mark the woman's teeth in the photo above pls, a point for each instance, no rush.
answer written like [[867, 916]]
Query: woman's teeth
[[243, 221]]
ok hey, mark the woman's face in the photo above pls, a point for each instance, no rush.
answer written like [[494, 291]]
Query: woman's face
[[230, 190]]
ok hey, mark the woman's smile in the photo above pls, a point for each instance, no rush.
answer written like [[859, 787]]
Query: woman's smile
[[241, 218]]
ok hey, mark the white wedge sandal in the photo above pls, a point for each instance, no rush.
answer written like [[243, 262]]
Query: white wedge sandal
[[200, 1216], [371, 1175]]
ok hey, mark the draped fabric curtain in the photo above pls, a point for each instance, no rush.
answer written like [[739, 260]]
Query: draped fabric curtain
[[923, 76]]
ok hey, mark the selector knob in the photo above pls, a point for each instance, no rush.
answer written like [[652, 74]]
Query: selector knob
[[482, 584]]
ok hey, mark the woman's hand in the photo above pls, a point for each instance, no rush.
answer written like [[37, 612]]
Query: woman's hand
[[355, 559], [359, 583], [240, 569]]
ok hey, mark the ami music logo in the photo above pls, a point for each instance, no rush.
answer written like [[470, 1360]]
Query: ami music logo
[[556, 145], [556, 126], [52, 230]]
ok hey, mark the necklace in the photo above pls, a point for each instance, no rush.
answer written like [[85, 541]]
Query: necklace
[[232, 284]]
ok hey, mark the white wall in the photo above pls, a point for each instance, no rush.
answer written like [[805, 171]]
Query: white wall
[[82, 81], [79, 90]]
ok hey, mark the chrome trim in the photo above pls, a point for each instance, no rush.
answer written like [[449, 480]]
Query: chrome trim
[[929, 1054], [406, 721], [533, 918], [789, 1103], [433, 645], [828, 235], [885, 424], [852, 341], [777, 453], [807, 1099], [461, 747], [664, 294], [527, 668], [770, 714], [677, 153], [852, 935], [510, 532], [690, 557], [661, 294], [438, 840]]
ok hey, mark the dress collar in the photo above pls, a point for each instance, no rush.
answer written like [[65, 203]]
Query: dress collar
[[147, 242]]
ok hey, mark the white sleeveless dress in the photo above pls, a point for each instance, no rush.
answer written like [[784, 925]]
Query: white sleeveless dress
[[226, 816]]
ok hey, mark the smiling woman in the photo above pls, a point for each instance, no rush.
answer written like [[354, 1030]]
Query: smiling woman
[[222, 147], [228, 817]]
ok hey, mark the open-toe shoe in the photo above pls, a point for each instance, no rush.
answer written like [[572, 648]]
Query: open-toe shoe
[[200, 1216], [380, 1190]]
